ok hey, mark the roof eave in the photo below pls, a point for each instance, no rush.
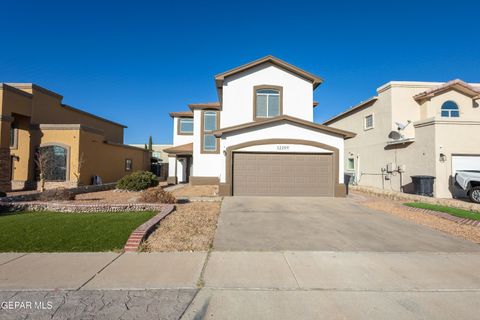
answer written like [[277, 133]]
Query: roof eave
[[346, 134]]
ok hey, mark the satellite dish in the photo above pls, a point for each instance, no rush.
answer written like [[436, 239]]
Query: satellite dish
[[402, 126], [394, 135]]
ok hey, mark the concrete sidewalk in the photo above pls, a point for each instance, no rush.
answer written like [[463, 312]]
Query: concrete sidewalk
[[244, 285], [78, 271]]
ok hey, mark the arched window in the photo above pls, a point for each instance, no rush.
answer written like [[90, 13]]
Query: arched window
[[268, 102], [52, 162], [450, 110]]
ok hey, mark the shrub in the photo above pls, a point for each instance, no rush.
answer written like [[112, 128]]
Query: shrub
[[59, 194], [137, 181], [2, 194], [157, 195]]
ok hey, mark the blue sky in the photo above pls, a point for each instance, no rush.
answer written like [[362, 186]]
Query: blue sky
[[135, 61]]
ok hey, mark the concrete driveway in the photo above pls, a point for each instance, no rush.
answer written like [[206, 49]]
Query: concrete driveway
[[323, 224]]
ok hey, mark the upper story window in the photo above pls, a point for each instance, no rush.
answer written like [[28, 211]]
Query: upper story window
[[450, 110], [369, 122], [185, 126], [210, 123], [268, 102]]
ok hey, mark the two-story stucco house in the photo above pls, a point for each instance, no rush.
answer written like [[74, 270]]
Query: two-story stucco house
[[259, 138], [413, 128]]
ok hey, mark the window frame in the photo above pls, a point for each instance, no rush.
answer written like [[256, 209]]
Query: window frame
[[204, 132], [266, 87], [179, 131], [348, 164], [13, 129], [365, 127], [128, 165], [449, 111], [67, 158]]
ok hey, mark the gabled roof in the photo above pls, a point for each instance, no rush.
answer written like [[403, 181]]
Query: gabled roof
[[457, 84], [206, 105], [181, 114], [316, 81], [181, 149], [361, 105], [312, 125]]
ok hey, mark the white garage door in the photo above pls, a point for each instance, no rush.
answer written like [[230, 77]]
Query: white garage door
[[470, 162]]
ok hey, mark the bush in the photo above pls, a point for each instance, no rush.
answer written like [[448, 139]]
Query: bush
[[59, 194], [137, 181], [157, 195], [2, 194]]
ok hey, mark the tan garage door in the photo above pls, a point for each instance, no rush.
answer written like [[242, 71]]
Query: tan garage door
[[280, 174]]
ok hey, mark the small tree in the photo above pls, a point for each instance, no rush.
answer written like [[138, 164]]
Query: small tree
[[150, 144], [41, 160], [146, 148], [81, 163]]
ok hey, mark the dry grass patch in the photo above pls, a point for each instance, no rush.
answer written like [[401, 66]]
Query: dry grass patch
[[191, 227], [196, 191], [395, 208]]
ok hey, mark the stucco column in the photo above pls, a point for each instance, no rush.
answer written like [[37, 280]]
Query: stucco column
[[5, 160]]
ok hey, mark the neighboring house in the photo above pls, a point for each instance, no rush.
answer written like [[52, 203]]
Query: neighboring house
[[158, 152], [77, 145], [260, 138], [413, 128]]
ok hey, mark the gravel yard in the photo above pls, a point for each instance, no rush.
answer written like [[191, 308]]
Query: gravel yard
[[191, 227], [109, 196], [196, 191], [395, 207]]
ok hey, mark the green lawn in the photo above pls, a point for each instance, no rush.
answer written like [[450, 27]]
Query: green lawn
[[453, 211], [67, 232]]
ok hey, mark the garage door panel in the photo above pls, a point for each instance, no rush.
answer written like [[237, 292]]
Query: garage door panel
[[283, 174]]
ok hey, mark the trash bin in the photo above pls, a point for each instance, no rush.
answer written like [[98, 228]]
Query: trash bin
[[423, 185]]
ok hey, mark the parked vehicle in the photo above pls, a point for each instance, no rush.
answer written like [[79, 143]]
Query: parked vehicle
[[470, 182]]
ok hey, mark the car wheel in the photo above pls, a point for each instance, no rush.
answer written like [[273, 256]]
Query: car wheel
[[474, 194]]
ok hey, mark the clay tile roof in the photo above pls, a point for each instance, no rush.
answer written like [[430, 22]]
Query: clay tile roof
[[316, 81], [206, 105], [457, 83], [181, 149], [181, 114]]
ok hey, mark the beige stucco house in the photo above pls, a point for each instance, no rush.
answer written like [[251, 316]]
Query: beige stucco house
[[78, 145], [413, 128]]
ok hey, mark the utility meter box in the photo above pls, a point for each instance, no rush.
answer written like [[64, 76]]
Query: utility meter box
[[391, 167]]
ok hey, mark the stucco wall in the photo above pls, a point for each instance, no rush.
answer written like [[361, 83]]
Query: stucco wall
[[213, 165], [108, 160], [469, 110], [22, 151], [238, 95], [179, 139], [69, 138]]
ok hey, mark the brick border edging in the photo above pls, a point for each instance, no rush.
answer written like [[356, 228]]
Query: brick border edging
[[139, 234], [444, 215]]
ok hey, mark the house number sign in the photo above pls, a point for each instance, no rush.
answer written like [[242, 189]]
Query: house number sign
[[282, 148]]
